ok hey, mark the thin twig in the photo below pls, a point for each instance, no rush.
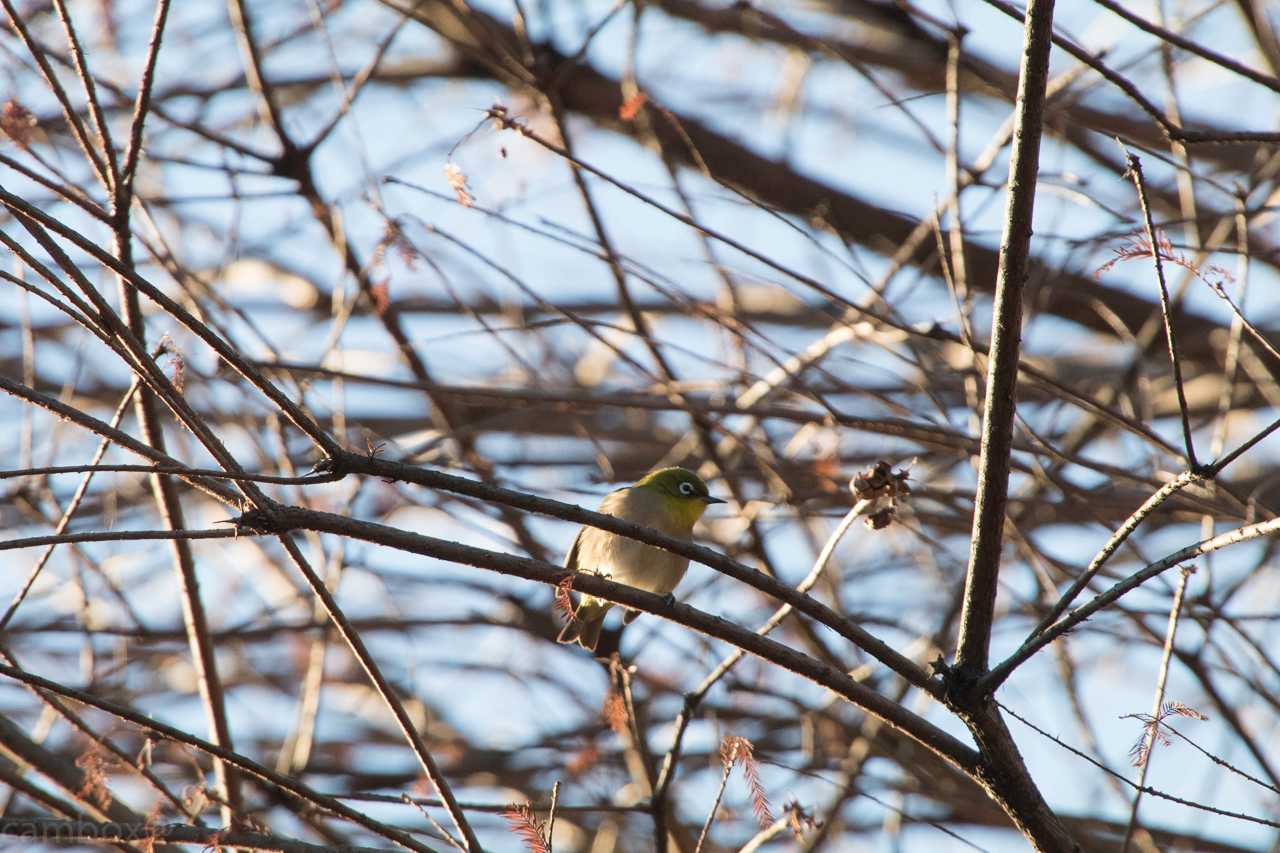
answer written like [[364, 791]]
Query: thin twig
[[116, 536], [1137, 579], [142, 104], [715, 805], [1157, 702], [81, 66], [1154, 792], [64, 521], [70, 113], [551, 815], [694, 698], [1162, 722], [175, 471], [435, 824], [30, 215], [389, 697], [248, 765], [1134, 170], [1172, 38], [1122, 533], [121, 439]]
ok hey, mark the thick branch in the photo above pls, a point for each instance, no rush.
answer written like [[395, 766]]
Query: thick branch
[[1006, 778], [900, 664], [1002, 366], [287, 518]]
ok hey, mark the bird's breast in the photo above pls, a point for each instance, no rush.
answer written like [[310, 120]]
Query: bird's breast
[[631, 562]]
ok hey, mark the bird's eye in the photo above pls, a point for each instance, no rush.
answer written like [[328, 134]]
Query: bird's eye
[[686, 488]]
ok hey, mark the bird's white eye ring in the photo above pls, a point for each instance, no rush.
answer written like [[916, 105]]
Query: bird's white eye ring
[[686, 488]]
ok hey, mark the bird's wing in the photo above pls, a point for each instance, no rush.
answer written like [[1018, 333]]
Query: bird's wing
[[571, 562]]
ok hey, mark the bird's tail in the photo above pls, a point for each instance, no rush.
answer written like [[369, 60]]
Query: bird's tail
[[584, 627]]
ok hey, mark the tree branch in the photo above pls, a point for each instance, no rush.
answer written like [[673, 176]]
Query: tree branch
[[287, 518]]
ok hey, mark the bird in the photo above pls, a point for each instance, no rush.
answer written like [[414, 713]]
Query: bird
[[670, 500]]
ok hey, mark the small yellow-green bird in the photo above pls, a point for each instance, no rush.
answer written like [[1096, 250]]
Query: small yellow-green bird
[[670, 500]]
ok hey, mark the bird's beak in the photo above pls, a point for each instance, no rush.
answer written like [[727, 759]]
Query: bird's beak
[[712, 500]]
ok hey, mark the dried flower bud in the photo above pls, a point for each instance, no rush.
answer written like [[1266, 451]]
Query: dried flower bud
[[878, 490]]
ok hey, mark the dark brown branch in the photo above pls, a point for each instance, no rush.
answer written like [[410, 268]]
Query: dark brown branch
[[1006, 778], [901, 665], [286, 518], [1006, 333]]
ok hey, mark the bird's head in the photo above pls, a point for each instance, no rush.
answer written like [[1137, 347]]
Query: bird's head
[[682, 492]]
